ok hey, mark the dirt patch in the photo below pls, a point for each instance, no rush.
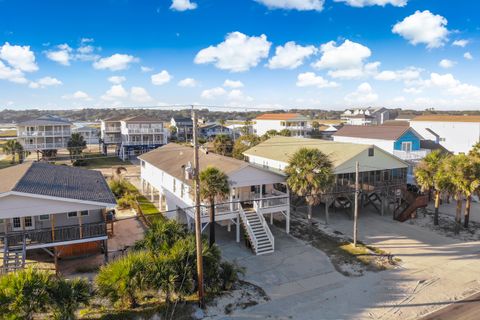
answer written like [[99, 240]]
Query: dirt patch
[[347, 259], [446, 226], [243, 295]]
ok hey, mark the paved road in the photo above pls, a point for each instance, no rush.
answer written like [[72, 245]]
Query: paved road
[[468, 309]]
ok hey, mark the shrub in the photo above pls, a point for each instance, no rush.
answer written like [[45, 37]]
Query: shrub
[[66, 296], [24, 293], [121, 280]]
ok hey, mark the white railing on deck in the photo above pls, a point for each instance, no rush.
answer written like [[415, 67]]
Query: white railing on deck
[[274, 201], [248, 228]]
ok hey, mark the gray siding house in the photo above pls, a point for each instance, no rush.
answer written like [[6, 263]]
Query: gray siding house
[[52, 207]]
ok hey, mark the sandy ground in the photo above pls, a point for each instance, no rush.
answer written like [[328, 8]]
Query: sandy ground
[[303, 284]]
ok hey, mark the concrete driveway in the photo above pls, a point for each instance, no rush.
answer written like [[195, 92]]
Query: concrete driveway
[[303, 284]]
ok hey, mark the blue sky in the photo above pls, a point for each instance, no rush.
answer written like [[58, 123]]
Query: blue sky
[[260, 53]]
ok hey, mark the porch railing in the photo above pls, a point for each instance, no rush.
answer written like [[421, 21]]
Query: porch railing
[[258, 210], [59, 234], [269, 202]]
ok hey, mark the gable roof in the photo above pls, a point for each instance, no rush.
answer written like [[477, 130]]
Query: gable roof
[[340, 153], [141, 119], [47, 120], [447, 118], [173, 158], [373, 132], [282, 148], [56, 181], [281, 116]]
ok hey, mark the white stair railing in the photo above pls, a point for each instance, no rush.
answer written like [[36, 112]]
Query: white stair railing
[[265, 226], [249, 228]]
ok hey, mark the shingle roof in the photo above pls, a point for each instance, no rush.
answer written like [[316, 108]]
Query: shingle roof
[[141, 119], [372, 132], [447, 118], [172, 158], [56, 181], [281, 116], [47, 120], [282, 149], [396, 123]]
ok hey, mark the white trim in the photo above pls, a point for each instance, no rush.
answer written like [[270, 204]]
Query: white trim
[[32, 195]]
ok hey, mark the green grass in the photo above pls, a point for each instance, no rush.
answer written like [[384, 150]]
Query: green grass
[[5, 163], [98, 161], [146, 206]]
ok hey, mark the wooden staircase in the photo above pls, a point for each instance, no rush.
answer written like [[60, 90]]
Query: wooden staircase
[[407, 209], [13, 256], [258, 231]]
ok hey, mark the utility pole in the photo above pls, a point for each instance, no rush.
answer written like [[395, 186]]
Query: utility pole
[[198, 222], [355, 214]]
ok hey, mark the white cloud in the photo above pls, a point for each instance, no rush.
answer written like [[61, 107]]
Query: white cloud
[[363, 95], [423, 27], [345, 60], [45, 82], [12, 75], [413, 90], [139, 94], [237, 53], [117, 79], [146, 69], [62, 55], [188, 82], [468, 56], [18, 57], [237, 96], [232, 84], [115, 93], [453, 86], [213, 93], [115, 62], [301, 5], [407, 75], [309, 79], [183, 5], [367, 3], [77, 95], [290, 56], [460, 43], [161, 78], [446, 64]]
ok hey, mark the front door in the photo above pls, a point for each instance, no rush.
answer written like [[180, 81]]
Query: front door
[[24, 223]]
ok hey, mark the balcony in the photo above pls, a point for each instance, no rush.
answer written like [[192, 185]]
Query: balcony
[[112, 129], [145, 131], [411, 155], [64, 133], [112, 140], [142, 143], [44, 146], [46, 237]]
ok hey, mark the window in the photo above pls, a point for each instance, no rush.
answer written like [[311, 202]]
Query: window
[[174, 185], [84, 213], [371, 152], [407, 146], [72, 214], [44, 217], [143, 164]]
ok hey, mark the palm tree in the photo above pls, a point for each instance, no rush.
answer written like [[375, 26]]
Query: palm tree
[[213, 185], [161, 236], [66, 296], [475, 151], [223, 144], [456, 171], [13, 147], [244, 143], [426, 175], [470, 185], [310, 174], [285, 133], [76, 144]]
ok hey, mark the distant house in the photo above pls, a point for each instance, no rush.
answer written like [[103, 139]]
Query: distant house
[[455, 133], [166, 177], [183, 128], [132, 135], [44, 133], [365, 116], [399, 140], [296, 123], [45, 206], [90, 134], [209, 131]]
